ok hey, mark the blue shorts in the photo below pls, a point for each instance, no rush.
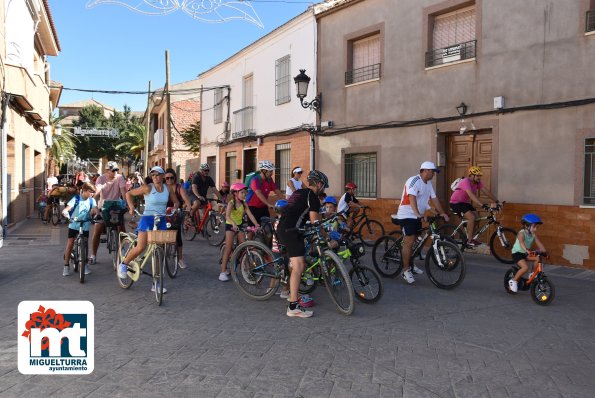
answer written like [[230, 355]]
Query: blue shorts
[[146, 224]]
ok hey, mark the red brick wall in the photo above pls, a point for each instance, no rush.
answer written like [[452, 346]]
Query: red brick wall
[[563, 225], [184, 114]]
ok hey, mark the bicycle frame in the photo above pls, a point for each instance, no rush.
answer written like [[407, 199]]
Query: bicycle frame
[[490, 219], [199, 226]]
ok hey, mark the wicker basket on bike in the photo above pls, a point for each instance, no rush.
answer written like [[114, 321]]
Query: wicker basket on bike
[[112, 212]]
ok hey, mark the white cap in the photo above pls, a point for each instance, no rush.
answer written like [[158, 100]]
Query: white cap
[[429, 166], [297, 170], [157, 169]]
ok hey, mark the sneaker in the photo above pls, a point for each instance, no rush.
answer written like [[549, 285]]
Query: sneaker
[[512, 284], [299, 312], [45, 222], [408, 276], [66, 271], [92, 260], [284, 294], [182, 264], [122, 271], [87, 270], [223, 277], [153, 288], [417, 270], [306, 301], [474, 242]]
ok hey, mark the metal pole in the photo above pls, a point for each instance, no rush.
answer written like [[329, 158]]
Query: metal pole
[[169, 134], [147, 126], [5, 187]]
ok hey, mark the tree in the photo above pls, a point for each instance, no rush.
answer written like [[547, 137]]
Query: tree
[[132, 141], [63, 146], [191, 137]]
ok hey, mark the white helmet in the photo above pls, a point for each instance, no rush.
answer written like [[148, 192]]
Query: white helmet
[[266, 165]]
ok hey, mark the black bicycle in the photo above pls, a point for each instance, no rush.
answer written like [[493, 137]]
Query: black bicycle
[[80, 250], [366, 229]]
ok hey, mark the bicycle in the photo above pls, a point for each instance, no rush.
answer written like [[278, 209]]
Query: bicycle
[[542, 289], [368, 230], [256, 270], [172, 263], [444, 259], [246, 230], [41, 211], [54, 212], [80, 250], [155, 250], [212, 225], [112, 223], [501, 241], [367, 283]]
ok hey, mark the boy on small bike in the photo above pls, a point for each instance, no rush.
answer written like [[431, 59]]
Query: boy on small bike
[[349, 203], [85, 207], [521, 249]]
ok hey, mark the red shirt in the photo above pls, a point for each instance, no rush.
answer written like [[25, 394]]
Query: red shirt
[[265, 187]]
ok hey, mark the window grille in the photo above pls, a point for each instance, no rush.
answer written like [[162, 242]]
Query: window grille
[[282, 165], [365, 63], [360, 168], [589, 176], [230, 167], [282, 80]]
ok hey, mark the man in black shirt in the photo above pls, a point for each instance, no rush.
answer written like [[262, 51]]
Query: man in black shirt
[[302, 206], [201, 183]]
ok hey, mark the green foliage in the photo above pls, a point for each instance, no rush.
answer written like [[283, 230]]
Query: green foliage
[[191, 137], [132, 141], [64, 145]]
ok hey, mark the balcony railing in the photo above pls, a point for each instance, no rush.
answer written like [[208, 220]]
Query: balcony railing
[[590, 26], [454, 53], [243, 123], [362, 74]]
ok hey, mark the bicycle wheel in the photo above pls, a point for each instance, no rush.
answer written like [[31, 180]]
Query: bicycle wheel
[[446, 268], [367, 284], [171, 259], [458, 235], [125, 246], [501, 246], [112, 241], [157, 270], [82, 258], [253, 270], [542, 290], [215, 229], [188, 227], [337, 282], [386, 256], [370, 231], [309, 279], [508, 276], [55, 216]]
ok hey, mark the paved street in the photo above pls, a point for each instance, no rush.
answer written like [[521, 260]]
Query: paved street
[[208, 340]]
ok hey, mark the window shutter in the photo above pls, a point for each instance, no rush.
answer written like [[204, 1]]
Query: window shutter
[[366, 52], [454, 28]]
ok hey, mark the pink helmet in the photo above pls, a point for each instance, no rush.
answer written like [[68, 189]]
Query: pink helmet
[[238, 186]]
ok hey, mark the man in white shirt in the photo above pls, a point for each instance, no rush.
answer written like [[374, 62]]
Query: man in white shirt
[[417, 193], [51, 181]]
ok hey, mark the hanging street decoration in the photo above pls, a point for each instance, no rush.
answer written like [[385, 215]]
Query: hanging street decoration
[[96, 132], [214, 11]]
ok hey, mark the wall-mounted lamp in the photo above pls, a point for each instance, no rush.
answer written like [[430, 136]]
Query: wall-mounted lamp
[[462, 109], [301, 84]]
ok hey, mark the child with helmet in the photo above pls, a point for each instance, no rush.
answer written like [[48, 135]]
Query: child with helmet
[[335, 228], [521, 250], [234, 217]]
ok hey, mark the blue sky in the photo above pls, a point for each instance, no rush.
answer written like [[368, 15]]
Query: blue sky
[[109, 47]]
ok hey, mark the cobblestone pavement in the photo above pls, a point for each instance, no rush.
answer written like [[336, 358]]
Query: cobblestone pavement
[[208, 340]]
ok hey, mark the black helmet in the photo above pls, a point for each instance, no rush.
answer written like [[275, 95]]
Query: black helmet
[[316, 175]]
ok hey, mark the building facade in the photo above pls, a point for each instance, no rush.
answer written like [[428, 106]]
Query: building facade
[[28, 37], [504, 85]]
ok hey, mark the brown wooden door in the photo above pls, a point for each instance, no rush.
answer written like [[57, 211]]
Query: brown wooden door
[[469, 150]]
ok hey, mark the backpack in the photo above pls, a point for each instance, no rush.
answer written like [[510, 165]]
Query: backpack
[[455, 183], [248, 181], [77, 199]]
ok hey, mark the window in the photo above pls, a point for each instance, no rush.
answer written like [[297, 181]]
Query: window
[[360, 168], [590, 25], [212, 162], [283, 163], [230, 167], [365, 60], [282, 80], [453, 37], [589, 177], [218, 106]]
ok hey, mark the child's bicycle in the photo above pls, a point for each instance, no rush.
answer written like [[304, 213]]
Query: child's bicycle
[[368, 230], [444, 261], [212, 225], [542, 289], [155, 251], [41, 211], [242, 229], [80, 250]]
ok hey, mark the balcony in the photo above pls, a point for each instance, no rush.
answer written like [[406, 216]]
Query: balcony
[[590, 25], [366, 73], [243, 123], [458, 52]]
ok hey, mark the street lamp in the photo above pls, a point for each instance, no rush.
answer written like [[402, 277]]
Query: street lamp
[[301, 84], [462, 109]]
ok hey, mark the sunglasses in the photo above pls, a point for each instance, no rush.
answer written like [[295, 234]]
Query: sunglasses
[[169, 178]]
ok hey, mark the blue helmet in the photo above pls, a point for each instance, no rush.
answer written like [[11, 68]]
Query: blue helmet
[[281, 203], [531, 219], [330, 199]]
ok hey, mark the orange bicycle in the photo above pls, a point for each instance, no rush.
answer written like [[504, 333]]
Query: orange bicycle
[[542, 289], [212, 225]]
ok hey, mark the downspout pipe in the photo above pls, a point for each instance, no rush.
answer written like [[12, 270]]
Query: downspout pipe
[[4, 162]]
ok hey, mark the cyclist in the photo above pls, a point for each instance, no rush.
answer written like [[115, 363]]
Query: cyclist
[[156, 194], [42, 202], [465, 194], [224, 191], [262, 185], [201, 184], [234, 218], [417, 193], [170, 180], [294, 182], [349, 203], [520, 251], [82, 209], [302, 206], [337, 227], [111, 186]]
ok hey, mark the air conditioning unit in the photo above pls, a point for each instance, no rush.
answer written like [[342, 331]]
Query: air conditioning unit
[[158, 137]]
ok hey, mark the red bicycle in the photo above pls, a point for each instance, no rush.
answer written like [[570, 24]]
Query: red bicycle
[[211, 226]]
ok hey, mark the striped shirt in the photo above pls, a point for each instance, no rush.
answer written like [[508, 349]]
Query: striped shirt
[[422, 191]]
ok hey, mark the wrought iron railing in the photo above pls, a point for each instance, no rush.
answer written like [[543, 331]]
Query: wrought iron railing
[[243, 123], [362, 74], [590, 25], [454, 53]]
